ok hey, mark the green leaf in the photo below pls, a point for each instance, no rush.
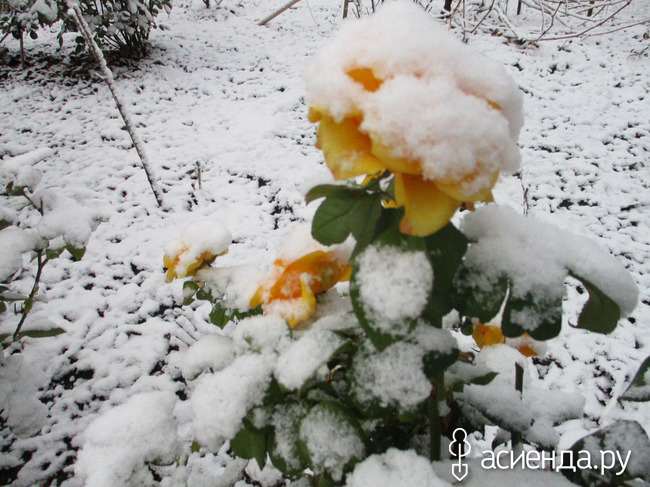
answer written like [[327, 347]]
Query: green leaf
[[190, 289], [331, 224], [600, 313], [53, 253], [52, 332], [639, 388], [446, 249], [204, 295], [484, 380], [4, 224], [196, 447], [3, 307], [436, 362], [77, 253], [249, 443], [363, 219], [379, 340], [518, 314], [622, 438], [218, 316], [13, 190], [477, 302], [321, 191]]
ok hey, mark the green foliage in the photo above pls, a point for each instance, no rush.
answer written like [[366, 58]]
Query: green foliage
[[351, 386], [600, 314], [639, 388], [118, 25], [121, 25], [42, 248]]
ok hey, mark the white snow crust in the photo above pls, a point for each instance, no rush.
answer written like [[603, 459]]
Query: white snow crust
[[394, 286], [537, 256], [122, 440], [395, 468]]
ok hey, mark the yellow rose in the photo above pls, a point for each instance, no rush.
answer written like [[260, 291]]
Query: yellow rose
[[395, 91]]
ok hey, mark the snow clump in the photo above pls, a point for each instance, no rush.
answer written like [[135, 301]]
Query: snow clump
[[119, 444], [394, 286], [537, 257]]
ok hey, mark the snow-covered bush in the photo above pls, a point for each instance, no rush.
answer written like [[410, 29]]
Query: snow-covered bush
[[118, 25], [121, 25], [335, 381], [39, 223]]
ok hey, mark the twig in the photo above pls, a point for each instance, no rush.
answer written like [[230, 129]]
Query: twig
[[75, 12], [287, 6]]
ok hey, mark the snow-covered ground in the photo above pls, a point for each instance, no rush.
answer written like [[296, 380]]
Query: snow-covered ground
[[219, 105]]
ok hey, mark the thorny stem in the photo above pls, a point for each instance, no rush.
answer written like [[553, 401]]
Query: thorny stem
[[519, 386], [29, 302], [435, 428]]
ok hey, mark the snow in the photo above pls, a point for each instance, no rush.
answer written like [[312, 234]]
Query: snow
[[220, 91], [394, 286], [261, 334], [209, 353], [331, 441], [395, 468], [305, 356], [13, 243], [221, 400], [394, 377], [65, 218], [121, 442]]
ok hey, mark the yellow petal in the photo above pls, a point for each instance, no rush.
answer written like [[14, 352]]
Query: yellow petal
[[305, 307], [455, 189], [427, 209], [486, 335], [395, 164], [366, 77], [347, 151]]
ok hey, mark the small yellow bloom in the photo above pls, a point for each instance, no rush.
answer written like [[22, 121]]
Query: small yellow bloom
[[290, 288], [486, 335], [199, 244], [176, 269]]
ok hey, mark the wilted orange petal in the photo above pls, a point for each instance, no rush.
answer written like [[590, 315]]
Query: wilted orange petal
[[427, 209], [454, 189], [366, 77], [395, 164], [485, 335], [305, 308], [527, 350], [347, 151]]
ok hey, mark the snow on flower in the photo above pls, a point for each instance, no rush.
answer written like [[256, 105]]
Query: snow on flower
[[303, 269], [413, 99], [199, 243]]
